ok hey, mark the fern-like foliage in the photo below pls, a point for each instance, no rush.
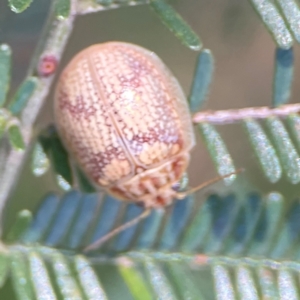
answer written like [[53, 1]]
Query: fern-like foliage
[[239, 246], [249, 249]]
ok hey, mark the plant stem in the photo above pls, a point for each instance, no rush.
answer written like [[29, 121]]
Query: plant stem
[[53, 41], [221, 117]]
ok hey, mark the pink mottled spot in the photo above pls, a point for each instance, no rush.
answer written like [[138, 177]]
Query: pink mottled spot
[[47, 65]]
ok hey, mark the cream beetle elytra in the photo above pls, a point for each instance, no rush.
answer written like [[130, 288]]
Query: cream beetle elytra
[[124, 118]]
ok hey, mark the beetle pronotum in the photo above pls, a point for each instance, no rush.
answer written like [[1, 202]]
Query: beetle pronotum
[[124, 117]]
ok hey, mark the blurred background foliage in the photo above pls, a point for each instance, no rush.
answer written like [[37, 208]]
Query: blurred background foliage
[[235, 224]]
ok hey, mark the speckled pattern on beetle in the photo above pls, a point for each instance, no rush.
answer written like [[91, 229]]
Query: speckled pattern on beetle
[[124, 118]]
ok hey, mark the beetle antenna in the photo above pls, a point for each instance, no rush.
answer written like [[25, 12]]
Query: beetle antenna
[[117, 230], [206, 183]]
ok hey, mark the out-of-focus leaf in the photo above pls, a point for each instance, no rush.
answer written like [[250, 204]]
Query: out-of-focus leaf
[[283, 76], [4, 266], [88, 279], [161, 286], [84, 183], [64, 276], [19, 6], [39, 163], [42, 220], [63, 219], [4, 118], [21, 276], [62, 8], [59, 157], [24, 218], [5, 66], [16, 138], [135, 281], [40, 277], [22, 95], [202, 80]]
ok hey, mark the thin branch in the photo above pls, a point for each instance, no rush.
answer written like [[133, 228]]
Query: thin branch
[[221, 117], [53, 41]]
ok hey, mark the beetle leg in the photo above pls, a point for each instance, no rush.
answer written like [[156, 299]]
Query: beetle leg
[[117, 230], [182, 195]]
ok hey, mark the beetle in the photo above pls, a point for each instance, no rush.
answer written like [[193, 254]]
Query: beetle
[[124, 118]]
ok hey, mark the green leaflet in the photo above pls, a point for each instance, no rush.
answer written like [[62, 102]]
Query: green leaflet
[[4, 266], [40, 277], [4, 117], [15, 137], [24, 218], [19, 6], [64, 277], [264, 150], [283, 76], [58, 156], [267, 284], [274, 22], [249, 290], [218, 151], [288, 154], [62, 9], [176, 24], [202, 80], [88, 279], [21, 276], [135, 281], [161, 286], [5, 66], [274, 209], [223, 284], [22, 95], [286, 285], [184, 281], [291, 12], [39, 163]]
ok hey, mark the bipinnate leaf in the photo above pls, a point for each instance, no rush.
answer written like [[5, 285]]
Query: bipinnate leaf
[[231, 247]]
